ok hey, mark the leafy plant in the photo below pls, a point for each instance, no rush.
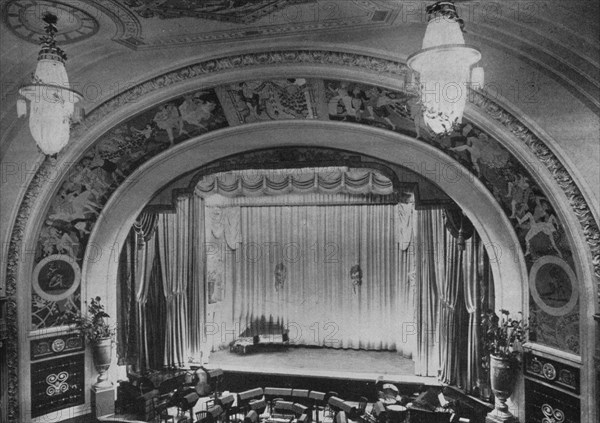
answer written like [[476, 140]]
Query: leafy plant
[[94, 325], [503, 336]]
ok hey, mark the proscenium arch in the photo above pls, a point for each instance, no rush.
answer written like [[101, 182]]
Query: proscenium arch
[[119, 214], [100, 264], [149, 93]]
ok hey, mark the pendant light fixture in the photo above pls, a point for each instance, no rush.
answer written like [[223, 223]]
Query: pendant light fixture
[[51, 100], [444, 66]]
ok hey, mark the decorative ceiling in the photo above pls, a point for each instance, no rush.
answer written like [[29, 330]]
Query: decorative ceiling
[[22, 17]]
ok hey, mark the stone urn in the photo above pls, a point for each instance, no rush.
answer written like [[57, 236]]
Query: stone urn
[[102, 354], [503, 376]]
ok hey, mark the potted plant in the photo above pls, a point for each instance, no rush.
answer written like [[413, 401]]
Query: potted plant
[[100, 335], [502, 347]]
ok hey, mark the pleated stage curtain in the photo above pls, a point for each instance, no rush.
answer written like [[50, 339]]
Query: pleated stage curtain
[[127, 342], [477, 283], [152, 310], [428, 236], [196, 289], [450, 283], [378, 277], [293, 268], [176, 252]]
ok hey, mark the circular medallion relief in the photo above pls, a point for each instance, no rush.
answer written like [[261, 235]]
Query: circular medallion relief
[[58, 345], [56, 277], [549, 371], [24, 18], [553, 285]]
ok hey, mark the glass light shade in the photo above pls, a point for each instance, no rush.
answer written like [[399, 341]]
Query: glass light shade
[[52, 104], [444, 66], [477, 77]]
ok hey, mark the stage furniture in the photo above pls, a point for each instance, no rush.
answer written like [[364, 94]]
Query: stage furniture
[[362, 406], [227, 404], [328, 409], [251, 417], [187, 403], [214, 380], [318, 402], [301, 396], [131, 400], [244, 398], [341, 417], [338, 404], [271, 394], [161, 411], [299, 409], [216, 412], [262, 336], [258, 405], [204, 417], [396, 413], [283, 409]]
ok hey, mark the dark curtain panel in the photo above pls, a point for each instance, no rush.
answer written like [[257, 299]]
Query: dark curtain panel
[[154, 319], [127, 342]]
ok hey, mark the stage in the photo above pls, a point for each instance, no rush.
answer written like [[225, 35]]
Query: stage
[[333, 363]]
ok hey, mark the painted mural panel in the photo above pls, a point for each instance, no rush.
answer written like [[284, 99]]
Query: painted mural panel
[[264, 100], [370, 105], [238, 11], [75, 208], [82, 195]]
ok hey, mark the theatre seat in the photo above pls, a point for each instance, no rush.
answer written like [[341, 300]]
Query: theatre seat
[[318, 402], [285, 408]]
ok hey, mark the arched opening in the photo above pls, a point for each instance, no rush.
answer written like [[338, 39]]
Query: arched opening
[[101, 268], [509, 267]]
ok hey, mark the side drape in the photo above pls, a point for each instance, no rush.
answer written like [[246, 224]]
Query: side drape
[[175, 251], [127, 328], [196, 288], [427, 360]]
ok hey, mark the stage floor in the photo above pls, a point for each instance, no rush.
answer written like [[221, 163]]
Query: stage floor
[[322, 362]]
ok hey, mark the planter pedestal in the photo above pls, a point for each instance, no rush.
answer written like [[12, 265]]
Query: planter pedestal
[[503, 375]]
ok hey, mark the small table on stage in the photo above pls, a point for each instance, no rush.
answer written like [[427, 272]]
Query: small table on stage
[[396, 413]]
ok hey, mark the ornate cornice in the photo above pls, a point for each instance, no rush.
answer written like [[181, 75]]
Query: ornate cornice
[[14, 256], [359, 62]]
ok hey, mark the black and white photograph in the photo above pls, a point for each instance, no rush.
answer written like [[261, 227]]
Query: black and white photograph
[[300, 211]]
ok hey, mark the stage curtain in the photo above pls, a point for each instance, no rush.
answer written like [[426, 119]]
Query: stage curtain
[[127, 328], [448, 282], [153, 316], [175, 231], [316, 299], [277, 181], [450, 290], [477, 282], [195, 288], [406, 340], [136, 262], [429, 236]]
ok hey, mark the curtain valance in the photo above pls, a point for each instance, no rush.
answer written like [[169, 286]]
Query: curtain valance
[[370, 185]]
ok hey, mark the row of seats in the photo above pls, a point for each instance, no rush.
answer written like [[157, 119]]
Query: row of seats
[[301, 404], [298, 403]]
